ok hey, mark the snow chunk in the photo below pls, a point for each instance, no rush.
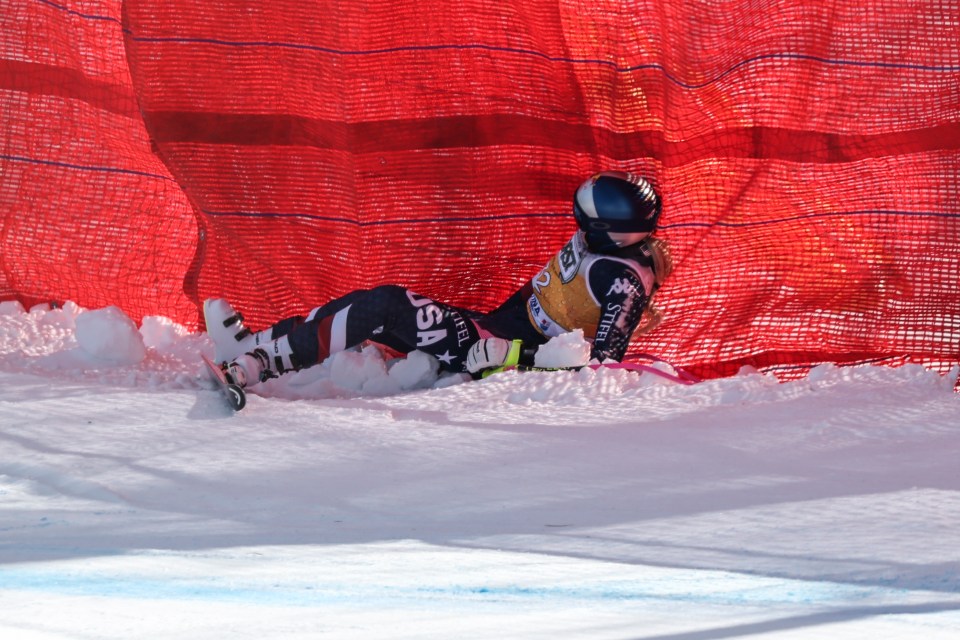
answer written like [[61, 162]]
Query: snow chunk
[[566, 350], [364, 370], [11, 308], [109, 335], [950, 379], [63, 318], [418, 370], [161, 333]]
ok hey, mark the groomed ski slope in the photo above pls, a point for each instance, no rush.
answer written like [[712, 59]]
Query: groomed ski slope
[[338, 504]]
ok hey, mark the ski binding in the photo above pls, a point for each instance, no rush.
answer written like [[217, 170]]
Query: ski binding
[[234, 394]]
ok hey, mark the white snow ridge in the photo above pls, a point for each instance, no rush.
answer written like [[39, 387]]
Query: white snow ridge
[[371, 499]]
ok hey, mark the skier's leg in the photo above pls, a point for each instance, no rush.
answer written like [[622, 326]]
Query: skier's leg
[[388, 314], [403, 321], [231, 337], [369, 314]]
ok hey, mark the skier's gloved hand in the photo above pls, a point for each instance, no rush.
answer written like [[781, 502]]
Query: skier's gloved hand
[[490, 353]]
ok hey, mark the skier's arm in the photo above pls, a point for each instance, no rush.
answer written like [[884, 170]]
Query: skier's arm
[[622, 298]]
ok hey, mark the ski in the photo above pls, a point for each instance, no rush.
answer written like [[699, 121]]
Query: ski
[[234, 394]]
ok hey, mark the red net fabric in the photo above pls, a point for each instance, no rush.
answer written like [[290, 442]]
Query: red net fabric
[[87, 211], [807, 156]]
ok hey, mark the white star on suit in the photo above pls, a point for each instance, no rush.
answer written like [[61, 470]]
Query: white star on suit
[[446, 357]]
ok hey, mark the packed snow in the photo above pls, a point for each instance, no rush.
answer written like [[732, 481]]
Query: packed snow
[[373, 498]]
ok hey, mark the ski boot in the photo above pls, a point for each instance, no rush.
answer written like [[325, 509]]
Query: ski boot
[[231, 338], [262, 363], [248, 368]]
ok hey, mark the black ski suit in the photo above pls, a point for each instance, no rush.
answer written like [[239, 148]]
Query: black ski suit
[[602, 294]]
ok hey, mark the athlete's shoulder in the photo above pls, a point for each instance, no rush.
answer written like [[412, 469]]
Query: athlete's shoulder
[[605, 271], [570, 257]]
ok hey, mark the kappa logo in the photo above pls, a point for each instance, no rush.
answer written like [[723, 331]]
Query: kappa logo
[[622, 285]]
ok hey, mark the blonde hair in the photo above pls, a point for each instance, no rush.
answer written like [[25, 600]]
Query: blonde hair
[[659, 253]]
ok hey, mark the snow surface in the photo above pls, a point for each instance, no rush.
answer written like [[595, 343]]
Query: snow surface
[[369, 499]]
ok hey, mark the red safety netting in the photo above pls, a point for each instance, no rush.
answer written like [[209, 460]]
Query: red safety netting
[[807, 156], [87, 211]]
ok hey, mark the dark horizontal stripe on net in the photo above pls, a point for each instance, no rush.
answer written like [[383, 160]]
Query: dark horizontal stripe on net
[[69, 84], [514, 129], [80, 167]]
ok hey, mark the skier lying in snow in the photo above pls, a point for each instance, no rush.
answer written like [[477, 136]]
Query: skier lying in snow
[[601, 282]]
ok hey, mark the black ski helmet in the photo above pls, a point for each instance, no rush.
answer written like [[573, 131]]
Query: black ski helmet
[[616, 209]]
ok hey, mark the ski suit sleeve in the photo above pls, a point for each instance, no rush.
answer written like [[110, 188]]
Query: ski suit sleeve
[[622, 298]]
